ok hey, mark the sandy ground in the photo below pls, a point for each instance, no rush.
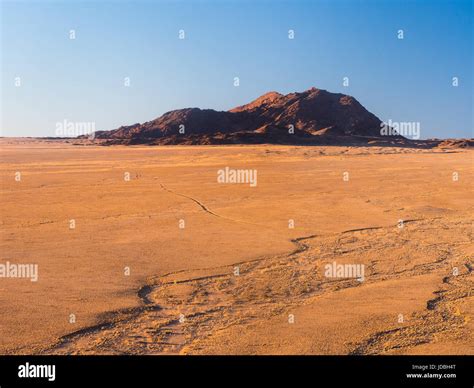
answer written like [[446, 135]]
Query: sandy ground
[[236, 279]]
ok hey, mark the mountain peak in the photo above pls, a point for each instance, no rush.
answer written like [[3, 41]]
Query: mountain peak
[[262, 100]]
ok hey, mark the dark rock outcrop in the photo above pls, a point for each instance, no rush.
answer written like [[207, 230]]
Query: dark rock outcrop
[[314, 116]]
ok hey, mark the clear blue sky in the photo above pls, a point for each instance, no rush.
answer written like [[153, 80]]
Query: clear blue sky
[[82, 79]]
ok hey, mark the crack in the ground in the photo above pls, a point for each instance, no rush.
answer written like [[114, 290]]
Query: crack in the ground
[[182, 307]]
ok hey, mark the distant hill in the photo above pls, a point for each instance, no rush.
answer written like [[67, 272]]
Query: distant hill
[[314, 116]]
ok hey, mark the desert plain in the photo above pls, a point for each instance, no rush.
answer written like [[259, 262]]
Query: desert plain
[[163, 259]]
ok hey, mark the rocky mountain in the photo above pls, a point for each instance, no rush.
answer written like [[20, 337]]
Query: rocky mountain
[[314, 116]]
